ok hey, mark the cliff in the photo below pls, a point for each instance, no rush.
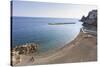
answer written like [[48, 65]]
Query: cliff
[[90, 22]]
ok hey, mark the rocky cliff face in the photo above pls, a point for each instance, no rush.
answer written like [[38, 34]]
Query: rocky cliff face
[[91, 20]]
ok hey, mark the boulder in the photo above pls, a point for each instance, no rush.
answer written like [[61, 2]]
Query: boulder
[[25, 49]]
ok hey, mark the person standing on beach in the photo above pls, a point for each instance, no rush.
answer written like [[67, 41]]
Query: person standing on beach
[[32, 59]]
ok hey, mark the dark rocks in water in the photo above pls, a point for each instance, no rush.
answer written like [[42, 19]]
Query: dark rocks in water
[[25, 49], [90, 20]]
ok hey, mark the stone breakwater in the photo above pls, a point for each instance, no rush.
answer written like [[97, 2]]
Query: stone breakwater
[[19, 51]]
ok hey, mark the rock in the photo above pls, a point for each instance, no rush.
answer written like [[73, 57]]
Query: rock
[[25, 49], [16, 59], [19, 51], [83, 19], [91, 20]]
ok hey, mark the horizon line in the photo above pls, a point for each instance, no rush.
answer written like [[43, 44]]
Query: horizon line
[[45, 17]]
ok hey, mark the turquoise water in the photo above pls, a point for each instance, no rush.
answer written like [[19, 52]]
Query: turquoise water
[[37, 30]]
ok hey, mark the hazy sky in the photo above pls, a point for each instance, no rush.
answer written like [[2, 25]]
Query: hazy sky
[[41, 9]]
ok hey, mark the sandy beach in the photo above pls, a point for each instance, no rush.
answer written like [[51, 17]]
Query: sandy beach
[[82, 49]]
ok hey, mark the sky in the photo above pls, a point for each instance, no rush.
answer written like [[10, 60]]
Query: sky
[[56, 10]]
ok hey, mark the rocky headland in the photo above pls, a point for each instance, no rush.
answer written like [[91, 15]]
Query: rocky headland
[[90, 22]]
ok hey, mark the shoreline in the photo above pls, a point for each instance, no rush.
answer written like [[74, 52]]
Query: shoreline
[[81, 49]]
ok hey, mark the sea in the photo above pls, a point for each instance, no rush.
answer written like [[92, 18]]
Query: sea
[[37, 30]]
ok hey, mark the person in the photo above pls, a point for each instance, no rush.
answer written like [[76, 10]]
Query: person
[[32, 59]]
